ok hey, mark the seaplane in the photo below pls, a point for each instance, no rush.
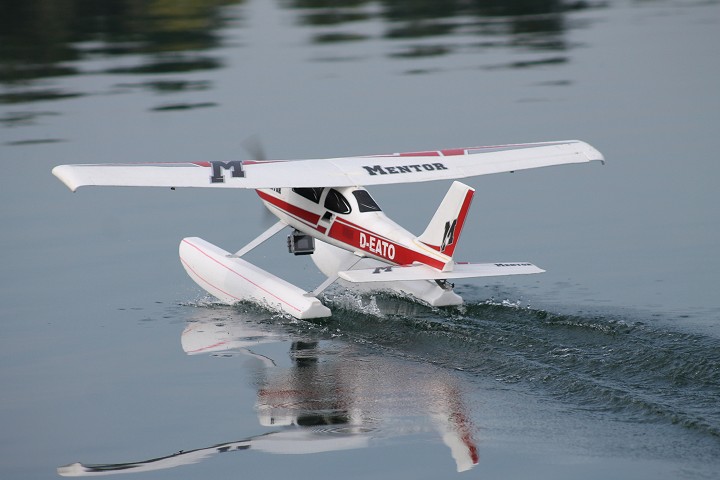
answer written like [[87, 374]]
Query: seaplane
[[335, 220]]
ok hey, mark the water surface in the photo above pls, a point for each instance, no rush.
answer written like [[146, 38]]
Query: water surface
[[606, 366]]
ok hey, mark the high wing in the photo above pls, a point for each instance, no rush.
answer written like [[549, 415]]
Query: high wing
[[333, 172]]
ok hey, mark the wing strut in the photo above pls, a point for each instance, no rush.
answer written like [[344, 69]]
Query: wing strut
[[347, 265], [260, 239]]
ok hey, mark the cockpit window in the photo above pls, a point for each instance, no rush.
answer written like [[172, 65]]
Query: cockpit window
[[312, 194], [336, 202], [365, 201]]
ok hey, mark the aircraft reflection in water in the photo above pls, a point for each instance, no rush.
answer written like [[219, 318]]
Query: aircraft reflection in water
[[321, 402]]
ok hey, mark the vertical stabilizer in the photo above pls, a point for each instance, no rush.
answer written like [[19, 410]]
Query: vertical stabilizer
[[444, 230]]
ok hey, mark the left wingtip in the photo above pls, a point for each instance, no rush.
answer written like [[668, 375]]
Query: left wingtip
[[65, 174]]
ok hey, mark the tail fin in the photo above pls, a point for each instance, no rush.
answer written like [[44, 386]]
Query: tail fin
[[446, 225]]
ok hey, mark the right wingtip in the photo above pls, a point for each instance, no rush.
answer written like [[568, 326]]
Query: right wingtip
[[593, 154]]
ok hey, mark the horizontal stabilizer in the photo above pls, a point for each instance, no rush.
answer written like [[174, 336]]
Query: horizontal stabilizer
[[391, 273]]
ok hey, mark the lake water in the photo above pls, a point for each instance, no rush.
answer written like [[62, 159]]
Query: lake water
[[606, 366]]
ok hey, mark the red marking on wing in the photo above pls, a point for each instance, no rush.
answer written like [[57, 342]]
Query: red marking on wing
[[420, 154], [429, 153], [255, 162], [453, 151], [408, 154]]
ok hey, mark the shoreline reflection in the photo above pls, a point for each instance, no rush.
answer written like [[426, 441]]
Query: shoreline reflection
[[43, 41], [322, 397]]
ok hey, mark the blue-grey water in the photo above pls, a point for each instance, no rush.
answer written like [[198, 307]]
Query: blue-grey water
[[607, 366]]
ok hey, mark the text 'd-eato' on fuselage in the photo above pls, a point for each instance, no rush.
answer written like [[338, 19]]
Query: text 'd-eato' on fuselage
[[349, 218]]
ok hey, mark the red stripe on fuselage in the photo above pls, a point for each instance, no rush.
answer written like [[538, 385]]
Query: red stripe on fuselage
[[290, 208], [379, 246], [349, 234]]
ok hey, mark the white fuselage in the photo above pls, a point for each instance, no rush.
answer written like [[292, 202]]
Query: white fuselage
[[348, 218]]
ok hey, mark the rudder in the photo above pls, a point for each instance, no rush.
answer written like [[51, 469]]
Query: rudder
[[443, 231]]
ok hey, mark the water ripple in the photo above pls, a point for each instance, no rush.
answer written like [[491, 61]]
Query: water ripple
[[629, 368]]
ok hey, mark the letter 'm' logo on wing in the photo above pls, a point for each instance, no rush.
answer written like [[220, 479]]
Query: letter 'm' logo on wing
[[218, 176], [382, 269]]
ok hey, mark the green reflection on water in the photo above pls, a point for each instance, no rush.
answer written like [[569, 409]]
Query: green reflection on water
[[42, 39], [39, 37]]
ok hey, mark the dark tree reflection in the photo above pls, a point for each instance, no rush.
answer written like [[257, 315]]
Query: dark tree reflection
[[41, 38], [530, 24]]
